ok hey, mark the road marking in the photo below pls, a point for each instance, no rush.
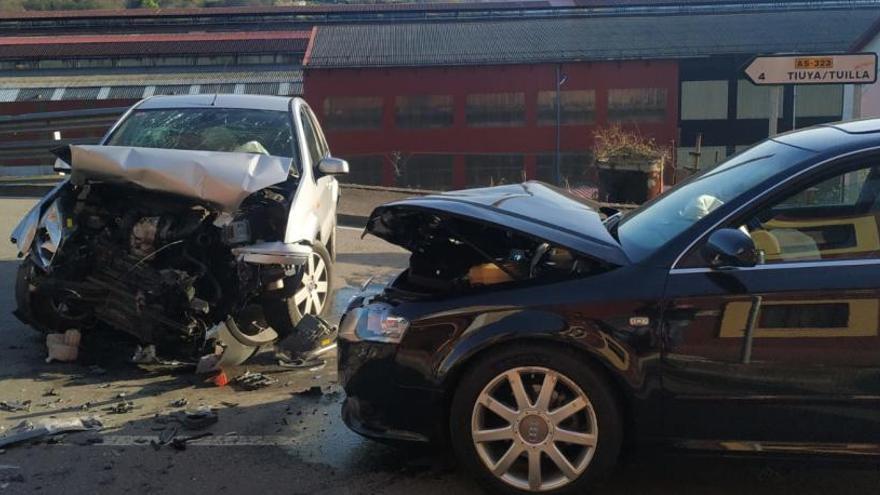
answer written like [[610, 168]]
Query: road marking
[[219, 440], [346, 227]]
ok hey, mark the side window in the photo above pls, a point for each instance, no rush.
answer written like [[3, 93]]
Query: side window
[[832, 219], [312, 143], [319, 135]]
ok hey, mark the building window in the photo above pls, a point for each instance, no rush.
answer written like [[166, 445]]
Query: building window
[[704, 100], [425, 172], [175, 89], [256, 59], [364, 169], [423, 111], [496, 110], [35, 94], [261, 88], [353, 112], [492, 170], [637, 105], [578, 107], [125, 92], [819, 101], [753, 102], [80, 94], [94, 62], [174, 61], [217, 89], [216, 60], [577, 170]]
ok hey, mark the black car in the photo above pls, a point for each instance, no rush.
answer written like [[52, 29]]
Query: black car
[[538, 334]]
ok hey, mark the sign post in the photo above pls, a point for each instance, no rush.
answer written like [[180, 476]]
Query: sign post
[[794, 70]]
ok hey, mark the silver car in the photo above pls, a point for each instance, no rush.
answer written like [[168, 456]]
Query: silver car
[[200, 224]]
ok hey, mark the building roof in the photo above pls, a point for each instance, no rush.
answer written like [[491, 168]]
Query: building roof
[[587, 38], [304, 9], [153, 44]]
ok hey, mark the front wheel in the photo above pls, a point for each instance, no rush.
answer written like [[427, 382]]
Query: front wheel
[[44, 314], [308, 291], [535, 420]]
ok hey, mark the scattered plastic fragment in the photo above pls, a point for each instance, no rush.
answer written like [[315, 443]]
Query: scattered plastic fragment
[[181, 402], [198, 419], [122, 407], [221, 380], [15, 405], [63, 347], [145, 355], [253, 381], [27, 431]]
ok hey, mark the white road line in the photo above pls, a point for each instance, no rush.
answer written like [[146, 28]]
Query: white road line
[[221, 440], [346, 227]]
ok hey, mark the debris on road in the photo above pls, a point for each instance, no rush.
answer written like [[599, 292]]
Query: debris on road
[[50, 392], [253, 380], [97, 370], [15, 405], [181, 402], [221, 380], [27, 431], [179, 443], [201, 418], [63, 347], [123, 407], [169, 437], [145, 355]]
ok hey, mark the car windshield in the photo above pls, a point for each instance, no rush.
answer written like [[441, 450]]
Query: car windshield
[[267, 132], [654, 224]]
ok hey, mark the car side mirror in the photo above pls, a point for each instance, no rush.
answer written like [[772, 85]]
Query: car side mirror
[[333, 166], [730, 248]]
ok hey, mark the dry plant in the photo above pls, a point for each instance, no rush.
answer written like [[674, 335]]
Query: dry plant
[[616, 143]]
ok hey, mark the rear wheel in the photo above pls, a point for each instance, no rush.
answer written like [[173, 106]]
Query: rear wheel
[[309, 291], [527, 420]]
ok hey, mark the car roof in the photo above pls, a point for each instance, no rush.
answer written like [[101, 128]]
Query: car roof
[[834, 139], [251, 102]]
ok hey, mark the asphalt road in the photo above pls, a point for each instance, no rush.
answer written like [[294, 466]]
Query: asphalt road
[[277, 439]]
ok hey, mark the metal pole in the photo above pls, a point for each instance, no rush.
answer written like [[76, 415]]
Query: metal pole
[[558, 125], [793, 107], [775, 94]]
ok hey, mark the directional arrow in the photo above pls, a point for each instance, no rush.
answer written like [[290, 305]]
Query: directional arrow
[[854, 68]]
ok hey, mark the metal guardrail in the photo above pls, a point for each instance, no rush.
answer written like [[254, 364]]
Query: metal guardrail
[[26, 139]]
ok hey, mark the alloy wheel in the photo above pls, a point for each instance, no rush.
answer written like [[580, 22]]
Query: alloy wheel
[[311, 295], [534, 429]]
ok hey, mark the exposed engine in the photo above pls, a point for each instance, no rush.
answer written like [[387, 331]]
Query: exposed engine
[[457, 255], [160, 267]]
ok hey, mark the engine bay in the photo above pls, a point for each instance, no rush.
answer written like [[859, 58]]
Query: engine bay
[[159, 266], [450, 254]]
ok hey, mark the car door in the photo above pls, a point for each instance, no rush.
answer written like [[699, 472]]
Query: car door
[[326, 185], [786, 354]]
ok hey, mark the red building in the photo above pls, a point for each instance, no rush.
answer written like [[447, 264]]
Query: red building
[[464, 126]]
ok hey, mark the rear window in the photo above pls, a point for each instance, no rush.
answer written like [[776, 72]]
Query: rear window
[[208, 129]]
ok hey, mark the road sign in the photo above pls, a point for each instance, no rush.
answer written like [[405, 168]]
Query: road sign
[[854, 68]]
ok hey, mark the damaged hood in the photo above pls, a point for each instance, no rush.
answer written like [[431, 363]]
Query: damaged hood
[[224, 179], [532, 208]]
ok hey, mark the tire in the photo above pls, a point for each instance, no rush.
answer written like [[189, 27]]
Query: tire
[[39, 312], [283, 313], [538, 433]]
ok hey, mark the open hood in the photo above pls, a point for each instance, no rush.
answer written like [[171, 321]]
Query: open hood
[[223, 179], [532, 208]]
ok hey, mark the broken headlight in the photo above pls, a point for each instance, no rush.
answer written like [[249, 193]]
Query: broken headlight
[[50, 234], [373, 323]]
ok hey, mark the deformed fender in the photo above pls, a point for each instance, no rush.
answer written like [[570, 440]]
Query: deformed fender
[[489, 329], [23, 234]]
